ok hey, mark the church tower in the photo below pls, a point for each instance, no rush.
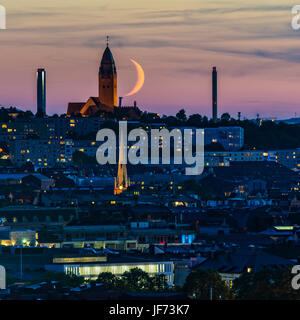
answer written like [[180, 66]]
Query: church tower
[[108, 79], [121, 182]]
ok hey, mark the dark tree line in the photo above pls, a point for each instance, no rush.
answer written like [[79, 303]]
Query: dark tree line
[[258, 134], [201, 284], [135, 280], [266, 284]]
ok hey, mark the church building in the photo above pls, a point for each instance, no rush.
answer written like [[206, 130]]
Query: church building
[[106, 104]]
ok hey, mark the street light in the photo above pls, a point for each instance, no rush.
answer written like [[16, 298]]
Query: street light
[[21, 258]]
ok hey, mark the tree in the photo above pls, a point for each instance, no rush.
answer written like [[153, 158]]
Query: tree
[[195, 120], [225, 117], [149, 117], [181, 116], [108, 279], [171, 121], [204, 121], [201, 284], [25, 115], [137, 280], [64, 279], [266, 284]]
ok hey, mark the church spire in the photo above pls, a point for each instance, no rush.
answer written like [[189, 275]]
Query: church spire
[[121, 182], [108, 78]]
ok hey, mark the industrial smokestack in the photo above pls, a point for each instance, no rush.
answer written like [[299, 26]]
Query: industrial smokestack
[[134, 104], [215, 94], [41, 92], [120, 101]]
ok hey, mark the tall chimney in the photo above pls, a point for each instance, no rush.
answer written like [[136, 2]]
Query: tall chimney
[[41, 92], [215, 94], [120, 101]]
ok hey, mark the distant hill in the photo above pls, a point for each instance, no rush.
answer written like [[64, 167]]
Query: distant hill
[[290, 121]]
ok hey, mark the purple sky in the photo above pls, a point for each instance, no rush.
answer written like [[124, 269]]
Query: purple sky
[[177, 42]]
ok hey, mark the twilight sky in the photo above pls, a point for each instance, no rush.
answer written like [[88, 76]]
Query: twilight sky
[[177, 42]]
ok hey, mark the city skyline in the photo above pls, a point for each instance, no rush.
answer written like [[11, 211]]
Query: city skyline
[[149, 153], [176, 44]]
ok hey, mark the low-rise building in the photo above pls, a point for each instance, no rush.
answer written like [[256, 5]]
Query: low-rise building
[[231, 138], [17, 236], [289, 158], [116, 266]]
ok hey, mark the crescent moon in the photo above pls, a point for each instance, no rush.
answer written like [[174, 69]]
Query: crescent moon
[[140, 79]]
